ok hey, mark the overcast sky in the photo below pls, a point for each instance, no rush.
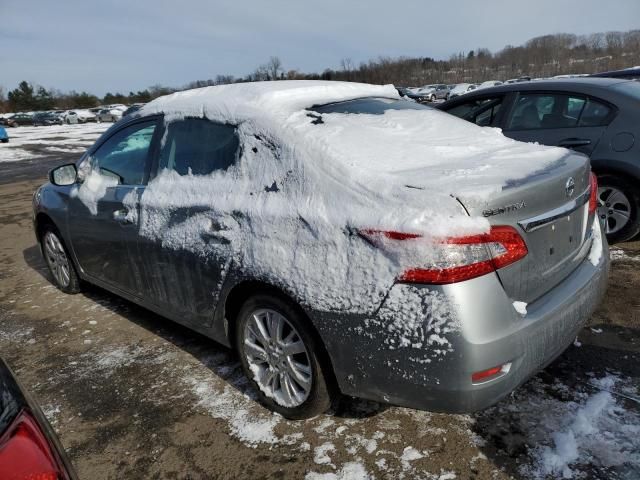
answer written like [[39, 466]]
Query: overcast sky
[[122, 45]]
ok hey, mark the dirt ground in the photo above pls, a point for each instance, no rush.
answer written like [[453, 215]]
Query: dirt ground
[[135, 396]]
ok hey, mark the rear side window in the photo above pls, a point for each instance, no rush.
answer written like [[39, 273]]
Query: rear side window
[[535, 111], [197, 146], [594, 114], [482, 112]]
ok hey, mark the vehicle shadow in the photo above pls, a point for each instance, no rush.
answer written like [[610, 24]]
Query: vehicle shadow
[[195, 344]]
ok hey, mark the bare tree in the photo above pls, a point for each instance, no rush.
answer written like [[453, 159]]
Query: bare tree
[[274, 68]]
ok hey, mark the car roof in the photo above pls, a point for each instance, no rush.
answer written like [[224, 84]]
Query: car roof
[[584, 85], [559, 84]]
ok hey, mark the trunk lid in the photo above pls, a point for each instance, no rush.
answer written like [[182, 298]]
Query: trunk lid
[[550, 210]]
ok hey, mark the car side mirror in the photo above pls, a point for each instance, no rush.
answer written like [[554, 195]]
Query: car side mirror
[[64, 175]]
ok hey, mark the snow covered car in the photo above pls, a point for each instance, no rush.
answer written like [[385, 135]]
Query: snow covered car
[[342, 239], [85, 116], [109, 115], [70, 117]]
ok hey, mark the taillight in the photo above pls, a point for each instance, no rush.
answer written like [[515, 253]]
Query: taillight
[[25, 453], [455, 259], [593, 198]]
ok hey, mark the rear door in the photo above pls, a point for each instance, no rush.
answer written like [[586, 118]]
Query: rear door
[[102, 222], [558, 119], [183, 267]]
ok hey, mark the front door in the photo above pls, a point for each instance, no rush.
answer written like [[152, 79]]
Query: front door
[[102, 210], [558, 119]]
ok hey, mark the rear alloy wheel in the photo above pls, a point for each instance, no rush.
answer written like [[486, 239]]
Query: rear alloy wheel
[[618, 208], [60, 265], [278, 355], [432, 98]]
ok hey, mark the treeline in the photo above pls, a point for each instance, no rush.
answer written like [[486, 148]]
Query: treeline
[[544, 56], [28, 97]]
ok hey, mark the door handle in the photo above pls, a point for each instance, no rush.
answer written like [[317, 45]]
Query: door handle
[[122, 217], [575, 142]]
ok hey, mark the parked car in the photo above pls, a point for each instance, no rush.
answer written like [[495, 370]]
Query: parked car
[[132, 109], [29, 448], [117, 106], [517, 80], [6, 121], [69, 117], [109, 115], [4, 138], [85, 116], [461, 89], [336, 253], [632, 73], [598, 117], [489, 84], [432, 93], [46, 119], [20, 119]]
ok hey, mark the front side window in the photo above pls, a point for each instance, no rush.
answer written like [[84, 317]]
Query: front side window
[[124, 155], [541, 111], [197, 146]]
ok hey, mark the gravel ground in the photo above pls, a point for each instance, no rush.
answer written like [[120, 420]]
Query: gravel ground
[[133, 395]]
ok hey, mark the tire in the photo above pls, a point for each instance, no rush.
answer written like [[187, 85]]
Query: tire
[[618, 201], [432, 98], [60, 265], [5, 140], [274, 364]]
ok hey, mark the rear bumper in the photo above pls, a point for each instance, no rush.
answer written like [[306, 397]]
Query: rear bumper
[[426, 342]]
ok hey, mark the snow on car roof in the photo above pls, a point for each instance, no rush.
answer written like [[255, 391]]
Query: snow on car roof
[[243, 101], [423, 147]]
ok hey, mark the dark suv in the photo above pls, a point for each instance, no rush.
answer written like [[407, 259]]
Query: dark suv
[[596, 116]]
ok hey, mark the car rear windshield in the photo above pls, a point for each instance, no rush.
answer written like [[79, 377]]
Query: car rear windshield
[[631, 88], [370, 105]]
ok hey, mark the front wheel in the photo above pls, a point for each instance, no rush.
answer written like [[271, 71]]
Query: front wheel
[[279, 355], [59, 263], [618, 205], [432, 98]]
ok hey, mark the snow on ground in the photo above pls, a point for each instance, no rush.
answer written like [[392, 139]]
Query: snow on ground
[[589, 428], [33, 142], [588, 431], [620, 255]]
